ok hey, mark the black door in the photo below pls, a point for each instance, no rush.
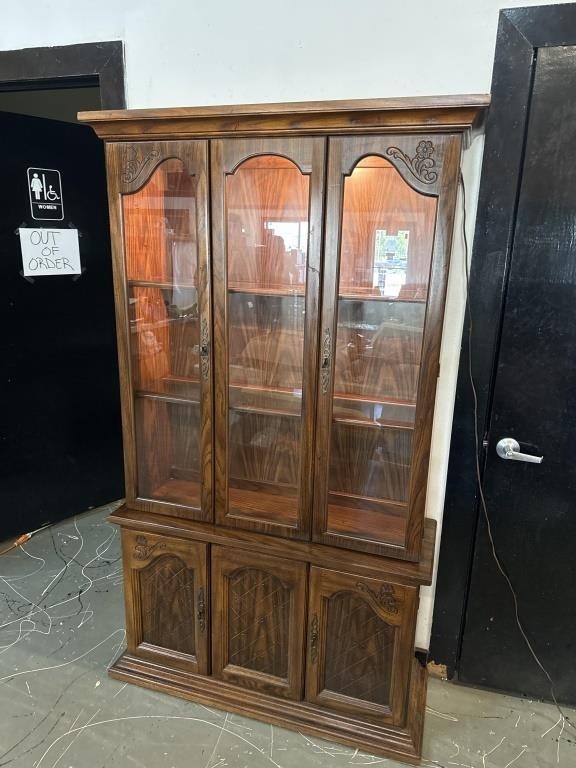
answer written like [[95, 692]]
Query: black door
[[533, 506], [60, 438]]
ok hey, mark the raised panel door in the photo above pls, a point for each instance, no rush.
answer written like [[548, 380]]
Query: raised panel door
[[267, 210], [388, 233], [259, 605], [167, 600], [159, 209], [360, 644]]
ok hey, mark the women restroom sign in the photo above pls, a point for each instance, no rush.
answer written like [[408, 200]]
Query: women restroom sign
[[47, 250], [45, 190]]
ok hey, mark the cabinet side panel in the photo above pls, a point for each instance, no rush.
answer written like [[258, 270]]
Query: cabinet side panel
[[430, 364], [114, 171]]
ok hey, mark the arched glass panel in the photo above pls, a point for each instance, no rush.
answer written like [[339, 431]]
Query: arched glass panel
[[386, 245], [267, 213], [161, 257]]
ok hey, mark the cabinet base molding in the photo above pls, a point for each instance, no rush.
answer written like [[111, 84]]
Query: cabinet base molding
[[403, 744]]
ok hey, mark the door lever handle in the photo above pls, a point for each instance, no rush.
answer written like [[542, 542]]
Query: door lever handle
[[508, 448]]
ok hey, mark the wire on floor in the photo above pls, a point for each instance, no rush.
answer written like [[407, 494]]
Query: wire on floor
[[23, 539]]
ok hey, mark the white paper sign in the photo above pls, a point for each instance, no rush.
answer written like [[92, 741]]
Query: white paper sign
[[50, 252]]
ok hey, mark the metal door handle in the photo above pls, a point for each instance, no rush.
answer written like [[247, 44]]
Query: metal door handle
[[508, 448]]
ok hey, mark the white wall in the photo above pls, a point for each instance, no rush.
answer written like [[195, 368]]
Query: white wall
[[224, 51], [192, 52]]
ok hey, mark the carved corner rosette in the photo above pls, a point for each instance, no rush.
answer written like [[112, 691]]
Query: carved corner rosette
[[135, 160], [385, 598], [422, 165], [143, 550]]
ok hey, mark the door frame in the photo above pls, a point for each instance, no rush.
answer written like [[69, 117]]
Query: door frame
[[66, 66], [521, 31]]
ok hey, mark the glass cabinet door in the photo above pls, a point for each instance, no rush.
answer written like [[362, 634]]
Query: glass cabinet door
[[267, 220], [384, 275], [167, 399]]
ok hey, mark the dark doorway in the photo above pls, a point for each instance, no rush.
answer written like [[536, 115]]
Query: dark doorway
[[99, 65], [61, 448], [62, 103], [522, 299]]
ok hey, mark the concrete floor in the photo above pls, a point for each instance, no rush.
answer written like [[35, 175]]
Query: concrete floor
[[61, 624]]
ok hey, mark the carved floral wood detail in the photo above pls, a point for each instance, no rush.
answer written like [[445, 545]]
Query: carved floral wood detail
[[421, 165], [385, 597], [143, 550], [135, 160]]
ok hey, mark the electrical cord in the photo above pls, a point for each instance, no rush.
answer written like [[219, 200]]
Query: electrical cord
[[22, 540], [479, 474]]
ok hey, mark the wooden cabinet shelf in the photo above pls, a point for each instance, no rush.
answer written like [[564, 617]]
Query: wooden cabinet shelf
[[280, 275], [361, 296], [178, 491], [379, 424], [256, 290], [163, 285], [373, 399], [166, 398], [362, 423], [264, 411], [272, 507]]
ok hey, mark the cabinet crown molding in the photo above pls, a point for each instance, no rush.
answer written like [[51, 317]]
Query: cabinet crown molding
[[460, 113]]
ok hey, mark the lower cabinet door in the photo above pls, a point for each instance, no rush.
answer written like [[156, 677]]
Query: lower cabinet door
[[360, 645], [167, 600], [259, 608]]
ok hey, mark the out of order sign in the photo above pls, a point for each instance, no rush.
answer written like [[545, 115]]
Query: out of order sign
[[50, 252]]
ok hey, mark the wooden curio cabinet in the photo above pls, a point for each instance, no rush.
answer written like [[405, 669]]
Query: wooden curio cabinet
[[280, 277]]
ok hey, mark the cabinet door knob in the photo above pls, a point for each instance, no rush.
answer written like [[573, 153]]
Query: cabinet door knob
[[326, 361], [201, 610], [314, 639], [204, 348]]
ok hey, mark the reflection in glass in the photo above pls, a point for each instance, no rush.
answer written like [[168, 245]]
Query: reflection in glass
[[168, 457], [385, 256], [160, 227], [164, 341], [267, 235], [387, 234], [378, 345], [161, 265]]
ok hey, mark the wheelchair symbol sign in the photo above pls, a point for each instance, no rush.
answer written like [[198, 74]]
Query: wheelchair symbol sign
[[45, 192]]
